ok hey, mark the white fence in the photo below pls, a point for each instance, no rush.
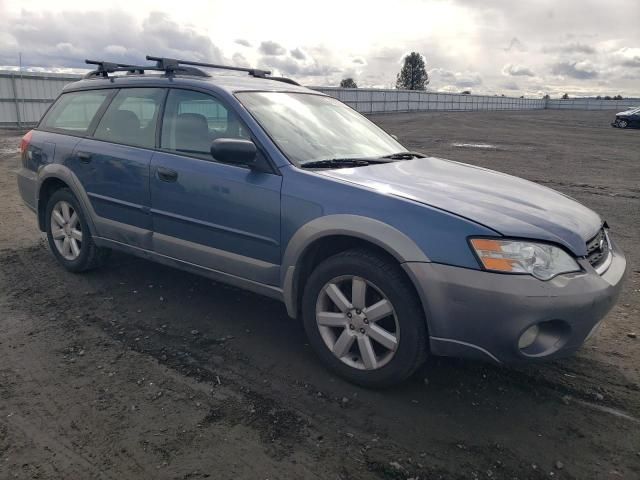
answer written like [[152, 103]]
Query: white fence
[[24, 97], [593, 104], [367, 100]]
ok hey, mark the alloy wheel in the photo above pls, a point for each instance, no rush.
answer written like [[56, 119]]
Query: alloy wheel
[[357, 322], [66, 230]]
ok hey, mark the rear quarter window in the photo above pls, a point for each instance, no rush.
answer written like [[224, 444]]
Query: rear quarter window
[[73, 112]]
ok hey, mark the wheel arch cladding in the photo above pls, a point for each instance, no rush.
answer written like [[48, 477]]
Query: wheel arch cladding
[[48, 187], [337, 233], [53, 177]]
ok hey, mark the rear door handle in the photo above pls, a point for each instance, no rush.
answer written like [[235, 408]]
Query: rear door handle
[[84, 157], [166, 174]]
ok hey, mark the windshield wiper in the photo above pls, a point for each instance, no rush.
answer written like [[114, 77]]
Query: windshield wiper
[[404, 155], [344, 162]]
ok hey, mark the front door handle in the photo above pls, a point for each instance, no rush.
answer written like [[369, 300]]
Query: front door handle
[[84, 157], [167, 175]]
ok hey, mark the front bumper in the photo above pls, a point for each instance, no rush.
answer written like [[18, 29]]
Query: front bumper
[[478, 314]]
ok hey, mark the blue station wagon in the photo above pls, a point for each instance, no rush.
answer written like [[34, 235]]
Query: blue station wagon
[[386, 255]]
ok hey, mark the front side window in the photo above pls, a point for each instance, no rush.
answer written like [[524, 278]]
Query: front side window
[[193, 120], [132, 117], [308, 127], [73, 112]]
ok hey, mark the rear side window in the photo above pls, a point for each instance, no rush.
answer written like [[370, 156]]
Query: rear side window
[[132, 117], [193, 120], [74, 111]]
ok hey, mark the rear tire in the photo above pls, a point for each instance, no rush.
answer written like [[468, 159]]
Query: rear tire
[[68, 234], [372, 347]]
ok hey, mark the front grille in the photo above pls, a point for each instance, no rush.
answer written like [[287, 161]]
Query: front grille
[[598, 249]]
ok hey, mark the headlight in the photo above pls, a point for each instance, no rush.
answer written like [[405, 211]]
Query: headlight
[[514, 256]]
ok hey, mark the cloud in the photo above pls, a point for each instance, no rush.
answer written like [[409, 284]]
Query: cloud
[[455, 79], [239, 60], [243, 42], [628, 57], [66, 38], [271, 48], [290, 66], [578, 70], [298, 54], [569, 48], [517, 71], [359, 61], [633, 62], [515, 45], [510, 85], [117, 50]]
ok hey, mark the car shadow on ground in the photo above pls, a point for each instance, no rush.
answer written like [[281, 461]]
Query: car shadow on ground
[[213, 318]]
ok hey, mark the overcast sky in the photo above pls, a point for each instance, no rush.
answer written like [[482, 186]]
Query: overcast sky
[[583, 47]]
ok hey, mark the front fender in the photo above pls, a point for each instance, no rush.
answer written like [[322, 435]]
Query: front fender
[[379, 233]]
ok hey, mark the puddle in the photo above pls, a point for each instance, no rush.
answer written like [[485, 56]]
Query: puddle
[[475, 145]]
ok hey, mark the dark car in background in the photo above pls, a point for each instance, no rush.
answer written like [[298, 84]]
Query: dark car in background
[[628, 119]]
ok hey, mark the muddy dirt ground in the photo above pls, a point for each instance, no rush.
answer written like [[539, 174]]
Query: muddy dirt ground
[[140, 371]]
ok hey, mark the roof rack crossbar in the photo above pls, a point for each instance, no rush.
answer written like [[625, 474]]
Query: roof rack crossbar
[[173, 63], [105, 68]]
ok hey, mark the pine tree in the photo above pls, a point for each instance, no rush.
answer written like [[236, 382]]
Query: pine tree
[[348, 83], [413, 75]]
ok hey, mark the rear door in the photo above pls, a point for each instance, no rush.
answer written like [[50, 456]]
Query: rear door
[[215, 215], [113, 165], [73, 116]]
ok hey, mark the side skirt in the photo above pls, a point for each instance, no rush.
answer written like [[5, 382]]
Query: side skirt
[[256, 287]]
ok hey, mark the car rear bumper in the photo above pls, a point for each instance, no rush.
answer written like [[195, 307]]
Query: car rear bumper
[[27, 186], [478, 314]]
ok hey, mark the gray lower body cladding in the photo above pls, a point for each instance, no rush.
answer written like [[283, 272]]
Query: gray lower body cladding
[[477, 314]]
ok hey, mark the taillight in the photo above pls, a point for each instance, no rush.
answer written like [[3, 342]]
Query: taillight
[[24, 145]]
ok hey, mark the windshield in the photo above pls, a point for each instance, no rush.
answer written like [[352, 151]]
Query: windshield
[[308, 127]]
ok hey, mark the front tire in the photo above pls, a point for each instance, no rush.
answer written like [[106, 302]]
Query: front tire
[[623, 124], [68, 234], [364, 319]]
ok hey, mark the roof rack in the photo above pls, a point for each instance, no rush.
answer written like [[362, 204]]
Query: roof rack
[[173, 64], [105, 68]]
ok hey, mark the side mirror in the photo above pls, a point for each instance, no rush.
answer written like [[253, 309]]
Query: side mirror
[[234, 151]]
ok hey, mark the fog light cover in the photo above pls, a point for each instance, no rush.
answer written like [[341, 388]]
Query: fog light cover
[[528, 337]]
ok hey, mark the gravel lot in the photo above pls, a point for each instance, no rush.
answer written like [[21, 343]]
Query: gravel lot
[[141, 371]]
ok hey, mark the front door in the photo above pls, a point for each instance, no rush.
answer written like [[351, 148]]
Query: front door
[[215, 215]]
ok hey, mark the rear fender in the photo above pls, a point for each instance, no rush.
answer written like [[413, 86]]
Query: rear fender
[[64, 174]]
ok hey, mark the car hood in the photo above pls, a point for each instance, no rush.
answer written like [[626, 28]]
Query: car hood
[[631, 111], [509, 205]]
